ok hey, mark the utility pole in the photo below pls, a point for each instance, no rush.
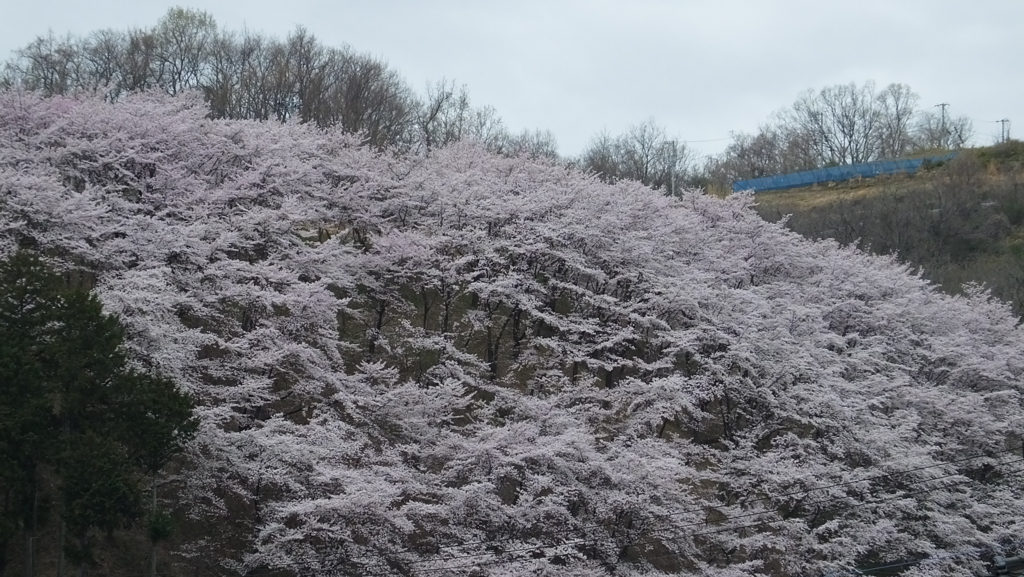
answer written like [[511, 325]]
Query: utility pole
[[942, 129], [1004, 132]]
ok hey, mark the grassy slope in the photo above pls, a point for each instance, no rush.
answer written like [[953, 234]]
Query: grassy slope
[[986, 193]]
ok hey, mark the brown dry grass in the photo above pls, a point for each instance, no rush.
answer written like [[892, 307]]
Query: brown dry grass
[[810, 197]]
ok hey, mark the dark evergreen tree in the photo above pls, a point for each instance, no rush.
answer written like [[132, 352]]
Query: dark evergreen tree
[[79, 426]]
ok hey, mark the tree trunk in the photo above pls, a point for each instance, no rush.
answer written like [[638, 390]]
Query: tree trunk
[[60, 549], [28, 553], [152, 548], [30, 529]]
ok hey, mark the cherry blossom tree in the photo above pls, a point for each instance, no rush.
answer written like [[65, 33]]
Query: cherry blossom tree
[[462, 363]]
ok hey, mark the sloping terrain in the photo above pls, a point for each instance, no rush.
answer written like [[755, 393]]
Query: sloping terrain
[[464, 364], [961, 222]]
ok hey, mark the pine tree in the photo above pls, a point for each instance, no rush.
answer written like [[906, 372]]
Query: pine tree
[[79, 426]]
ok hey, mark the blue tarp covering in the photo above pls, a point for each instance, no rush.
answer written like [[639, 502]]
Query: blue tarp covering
[[837, 173]]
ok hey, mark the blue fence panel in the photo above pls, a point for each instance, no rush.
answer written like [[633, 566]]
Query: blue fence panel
[[837, 173]]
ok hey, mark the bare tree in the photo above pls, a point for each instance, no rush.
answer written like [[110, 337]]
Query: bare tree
[[448, 116], [137, 63], [749, 156], [961, 130], [643, 153], [252, 76], [223, 86], [841, 121], [102, 54], [445, 117], [485, 126], [601, 157], [48, 64], [373, 99], [840, 124], [934, 130], [897, 106], [183, 39], [641, 150], [531, 143]]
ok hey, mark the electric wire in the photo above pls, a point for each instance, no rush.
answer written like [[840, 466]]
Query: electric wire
[[706, 140]]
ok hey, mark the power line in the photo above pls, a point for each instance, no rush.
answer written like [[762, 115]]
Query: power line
[[706, 140], [1004, 128], [944, 136]]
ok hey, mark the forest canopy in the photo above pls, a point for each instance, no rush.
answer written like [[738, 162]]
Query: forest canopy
[[249, 75], [453, 361]]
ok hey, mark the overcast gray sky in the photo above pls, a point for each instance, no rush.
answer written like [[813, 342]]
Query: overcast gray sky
[[576, 67]]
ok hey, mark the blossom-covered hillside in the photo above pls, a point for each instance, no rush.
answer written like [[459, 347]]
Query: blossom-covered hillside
[[463, 364]]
